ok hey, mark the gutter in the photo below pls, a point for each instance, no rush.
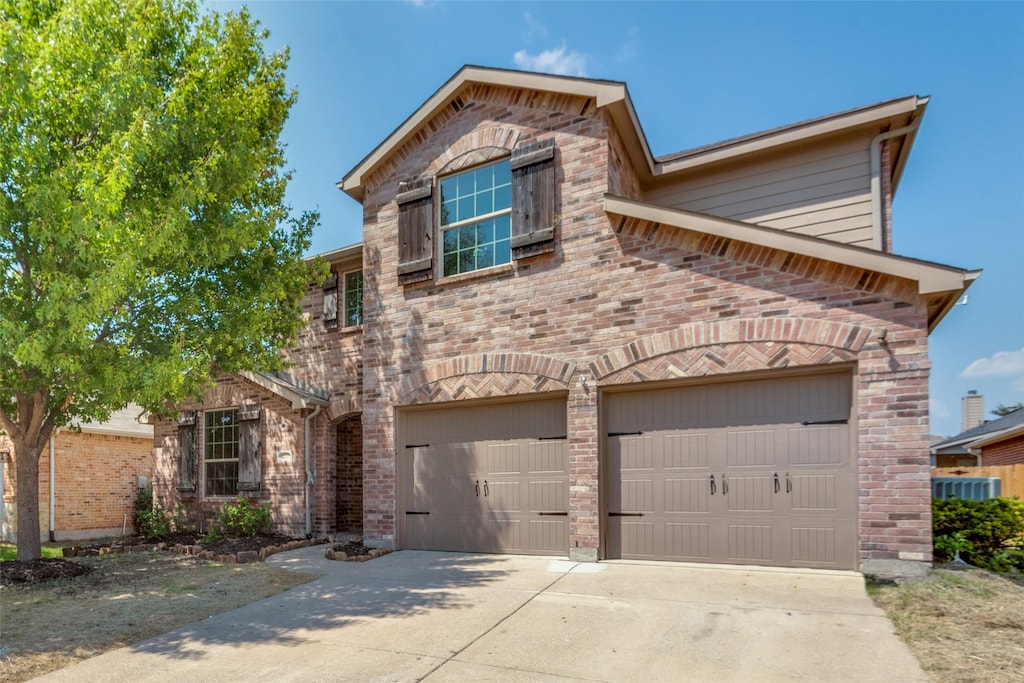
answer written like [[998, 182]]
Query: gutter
[[53, 486], [310, 477], [876, 178]]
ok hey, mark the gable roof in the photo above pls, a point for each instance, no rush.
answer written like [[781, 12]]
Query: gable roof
[[123, 422], [301, 394], [986, 433], [942, 284], [613, 96]]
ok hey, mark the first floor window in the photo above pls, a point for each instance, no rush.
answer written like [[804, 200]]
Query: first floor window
[[476, 215], [220, 452], [353, 298]]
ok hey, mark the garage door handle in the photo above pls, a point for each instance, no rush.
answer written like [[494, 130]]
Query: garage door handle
[[625, 514], [553, 514], [807, 423], [712, 484], [775, 480], [476, 487], [789, 484], [487, 491], [725, 485]]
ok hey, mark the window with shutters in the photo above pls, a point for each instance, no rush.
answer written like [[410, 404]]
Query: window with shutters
[[353, 284], [476, 214], [220, 452]]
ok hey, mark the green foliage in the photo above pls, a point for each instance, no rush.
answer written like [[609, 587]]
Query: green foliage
[[987, 533], [9, 551], [153, 524], [145, 243], [1002, 411], [242, 518]]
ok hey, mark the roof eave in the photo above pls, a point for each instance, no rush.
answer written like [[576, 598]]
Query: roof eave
[[299, 400], [792, 134], [612, 94], [931, 277]]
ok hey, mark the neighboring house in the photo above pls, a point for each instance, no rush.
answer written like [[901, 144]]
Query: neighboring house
[[996, 442], [571, 347], [98, 470]]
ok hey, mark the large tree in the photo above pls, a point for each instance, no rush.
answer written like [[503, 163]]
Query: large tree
[[144, 240]]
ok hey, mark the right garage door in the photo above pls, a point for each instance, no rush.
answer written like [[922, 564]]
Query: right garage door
[[746, 472]]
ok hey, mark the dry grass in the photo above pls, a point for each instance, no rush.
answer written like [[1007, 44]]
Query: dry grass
[[962, 625], [126, 598]]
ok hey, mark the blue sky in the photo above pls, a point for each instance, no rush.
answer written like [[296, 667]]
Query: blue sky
[[703, 72]]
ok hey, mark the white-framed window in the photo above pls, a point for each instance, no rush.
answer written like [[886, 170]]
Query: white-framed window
[[476, 217], [352, 283], [220, 452]]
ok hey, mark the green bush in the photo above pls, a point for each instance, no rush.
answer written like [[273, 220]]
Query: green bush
[[987, 533], [153, 524], [244, 517]]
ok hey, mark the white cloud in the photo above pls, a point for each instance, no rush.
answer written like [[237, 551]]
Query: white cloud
[[534, 28], [555, 61], [999, 364], [628, 48], [937, 409]]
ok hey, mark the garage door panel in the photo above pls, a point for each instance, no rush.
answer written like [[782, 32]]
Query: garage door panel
[[818, 445], [750, 493], [750, 543], [751, 448], [814, 492], [780, 454], [815, 545], [685, 450], [686, 495], [478, 470], [687, 541]]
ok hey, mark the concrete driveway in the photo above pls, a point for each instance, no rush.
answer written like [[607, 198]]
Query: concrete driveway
[[429, 616]]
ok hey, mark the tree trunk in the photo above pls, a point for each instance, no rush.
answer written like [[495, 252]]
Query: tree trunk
[[27, 466]]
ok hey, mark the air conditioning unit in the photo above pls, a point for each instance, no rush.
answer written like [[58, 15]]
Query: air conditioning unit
[[970, 488]]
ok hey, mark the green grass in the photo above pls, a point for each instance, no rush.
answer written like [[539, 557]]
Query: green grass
[[10, 552]]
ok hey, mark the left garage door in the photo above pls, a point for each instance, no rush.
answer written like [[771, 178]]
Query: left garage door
[[485, 478]]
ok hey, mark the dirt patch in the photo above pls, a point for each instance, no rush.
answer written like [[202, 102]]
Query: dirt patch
[[962, 625], [352, 548], [39, 570], [125, 597]]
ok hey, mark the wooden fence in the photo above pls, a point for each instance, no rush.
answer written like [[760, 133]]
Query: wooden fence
[[1012, 476]]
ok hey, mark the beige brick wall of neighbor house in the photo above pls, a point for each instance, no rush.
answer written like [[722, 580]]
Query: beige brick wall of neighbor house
[[96, 483], [615, 301]]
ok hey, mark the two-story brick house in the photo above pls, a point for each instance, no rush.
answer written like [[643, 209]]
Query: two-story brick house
[[571, 347]]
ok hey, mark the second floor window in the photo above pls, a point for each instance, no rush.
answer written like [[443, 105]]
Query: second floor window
[[353, 285], [476, 213]]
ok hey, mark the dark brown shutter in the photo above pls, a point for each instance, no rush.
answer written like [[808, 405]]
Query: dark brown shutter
[[415, 231], [249, 448], [188, 451], [533, 198], [331, 301]]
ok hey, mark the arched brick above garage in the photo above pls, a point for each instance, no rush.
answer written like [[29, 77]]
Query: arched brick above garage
[[485, 375], [732, 346]]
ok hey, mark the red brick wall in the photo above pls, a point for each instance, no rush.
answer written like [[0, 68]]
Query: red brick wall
[[349, 474], [605, 290], [95, 486], [1009, 452]]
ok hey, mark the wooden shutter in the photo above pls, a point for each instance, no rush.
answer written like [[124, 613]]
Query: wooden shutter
[[415, 231], [533, 198], [249, 448], [331, 301], [188, 451]]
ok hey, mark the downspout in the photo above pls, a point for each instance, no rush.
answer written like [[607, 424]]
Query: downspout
[[876, 177], [53, 485], [310, 477]]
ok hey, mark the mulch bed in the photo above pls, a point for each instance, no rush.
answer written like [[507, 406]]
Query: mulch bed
[[39, 570], [352, 548]]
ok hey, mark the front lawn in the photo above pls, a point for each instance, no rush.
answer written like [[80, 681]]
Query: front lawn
[[9, 551]]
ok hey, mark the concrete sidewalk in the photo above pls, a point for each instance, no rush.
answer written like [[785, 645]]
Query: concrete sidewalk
[[414, 615]]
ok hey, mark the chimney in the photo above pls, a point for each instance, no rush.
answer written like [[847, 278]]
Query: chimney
[[972, 410]]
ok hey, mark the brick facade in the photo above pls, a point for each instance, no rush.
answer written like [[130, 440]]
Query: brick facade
[[1008, 452], [97, 477]]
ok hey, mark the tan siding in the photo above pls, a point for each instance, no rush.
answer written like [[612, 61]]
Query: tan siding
[[823, 190]]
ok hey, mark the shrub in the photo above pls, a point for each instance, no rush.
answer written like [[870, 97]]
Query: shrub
[[153, 524], [988, 533], [244, 517]]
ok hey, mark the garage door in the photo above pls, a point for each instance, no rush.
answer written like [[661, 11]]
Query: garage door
[[487, 478], [753, 472]]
